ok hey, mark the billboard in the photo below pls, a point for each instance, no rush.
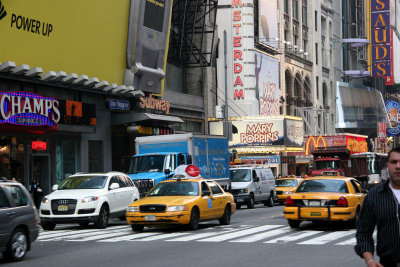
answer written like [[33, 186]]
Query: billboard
[[268, 22], [267, 81], [393, 109], [75, 36]]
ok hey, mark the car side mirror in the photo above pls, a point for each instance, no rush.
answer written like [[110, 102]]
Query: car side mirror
[[206, 193], [114, 186], [55, 187], [256, 179], [167, 171]]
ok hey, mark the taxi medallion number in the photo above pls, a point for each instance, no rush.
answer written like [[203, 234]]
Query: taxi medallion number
[[62, 208], [150, 217]]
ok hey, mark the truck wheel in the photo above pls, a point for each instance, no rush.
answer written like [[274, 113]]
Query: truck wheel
[[194, 219], [294, 223], [250, 203], [49, 226], [102, 220], [17, 246], [137, 227], [226, 218]]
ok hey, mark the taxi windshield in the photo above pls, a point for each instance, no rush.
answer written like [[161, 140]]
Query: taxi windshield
[[286, 182], [84, 182], [325, 185], [240, 175], [175, 189]]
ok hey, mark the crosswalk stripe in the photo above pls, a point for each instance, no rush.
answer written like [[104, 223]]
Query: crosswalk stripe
[[78, 234], [129, 237], [320, 240], [97, 237], [293, 237], [198, 236], [263, 235], [352, 241], [54, 233], [158, 237], [223, 237]]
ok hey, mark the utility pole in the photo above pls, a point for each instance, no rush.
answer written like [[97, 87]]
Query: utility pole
[[226, 89]]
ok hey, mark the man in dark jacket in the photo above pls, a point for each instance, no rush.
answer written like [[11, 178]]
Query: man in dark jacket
[[381, 208]]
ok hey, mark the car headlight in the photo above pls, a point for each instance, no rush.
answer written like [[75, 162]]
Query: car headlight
[[133, 209], [177, 208], [45, 200], [89, 199], [287, 192], [244, 190]]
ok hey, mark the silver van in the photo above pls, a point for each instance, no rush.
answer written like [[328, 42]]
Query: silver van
[[252, 184]]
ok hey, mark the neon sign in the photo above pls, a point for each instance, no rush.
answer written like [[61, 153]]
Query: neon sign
[[39, 145], [28, 109], [237, 50]]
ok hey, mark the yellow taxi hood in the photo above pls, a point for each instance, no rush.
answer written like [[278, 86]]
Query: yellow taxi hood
[[165, 200], [285, 188], [318, 195]]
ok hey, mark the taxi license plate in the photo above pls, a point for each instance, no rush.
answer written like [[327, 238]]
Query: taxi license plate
[[62, 208], [314, 213], [314, 203], [150, 217]]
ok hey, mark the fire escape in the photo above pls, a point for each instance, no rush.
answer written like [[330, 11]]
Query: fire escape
[[192, 36]]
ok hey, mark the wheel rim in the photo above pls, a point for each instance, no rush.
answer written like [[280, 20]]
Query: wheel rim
[[19, 245], [104, 217]]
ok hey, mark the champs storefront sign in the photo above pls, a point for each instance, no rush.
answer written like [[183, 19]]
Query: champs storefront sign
[[28, 111]]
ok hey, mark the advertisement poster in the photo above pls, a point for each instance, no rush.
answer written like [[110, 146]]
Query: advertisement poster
[[392, 108], [268, 21]]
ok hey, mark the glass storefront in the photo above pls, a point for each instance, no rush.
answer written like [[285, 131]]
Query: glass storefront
[[67, 158], [11, 158], [95, 156]]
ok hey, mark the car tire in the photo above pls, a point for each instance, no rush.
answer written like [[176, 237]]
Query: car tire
[[270, 201], [250, 203], [294, 223], [353, 223], [226, 218], [102, 220], [84, 224], [17, 246], [137, 227], [194, 219], [48, 226]]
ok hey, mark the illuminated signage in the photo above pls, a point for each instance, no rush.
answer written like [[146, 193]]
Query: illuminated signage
[[355, 144], [381, 40], [393, 109], [237, 50], [39, 145], [155, 104], [28, 109]]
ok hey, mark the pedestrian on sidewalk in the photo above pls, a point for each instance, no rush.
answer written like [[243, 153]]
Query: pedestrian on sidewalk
[[381, 208]]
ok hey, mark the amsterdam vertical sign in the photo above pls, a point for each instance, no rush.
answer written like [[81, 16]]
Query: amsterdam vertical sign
[[381, 41]]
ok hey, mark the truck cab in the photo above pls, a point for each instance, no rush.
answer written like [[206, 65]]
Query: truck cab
[[327, 164], [147, 170]]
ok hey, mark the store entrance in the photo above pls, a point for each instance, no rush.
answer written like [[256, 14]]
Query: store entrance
[[41, 171]]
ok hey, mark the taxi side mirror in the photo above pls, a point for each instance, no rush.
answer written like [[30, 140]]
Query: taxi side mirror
[[206, 193]]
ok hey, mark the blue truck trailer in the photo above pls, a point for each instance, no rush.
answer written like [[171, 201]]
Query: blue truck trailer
[[158, 156]]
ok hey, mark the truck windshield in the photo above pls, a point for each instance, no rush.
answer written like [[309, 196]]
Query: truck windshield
[[175, 189], [328, 164], [149, 163], [240, 175]]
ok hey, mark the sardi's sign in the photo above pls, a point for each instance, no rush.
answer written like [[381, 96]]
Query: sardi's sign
[[48, 25], [28, 109], [155, 104]]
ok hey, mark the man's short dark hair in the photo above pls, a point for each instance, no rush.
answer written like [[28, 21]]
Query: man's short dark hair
[[396, 149]]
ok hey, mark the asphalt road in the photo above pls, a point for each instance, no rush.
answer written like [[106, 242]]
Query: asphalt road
[[258, 237]]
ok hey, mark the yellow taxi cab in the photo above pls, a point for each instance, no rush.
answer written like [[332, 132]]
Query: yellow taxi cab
[[285, 187], [326, 198], [187, 199]]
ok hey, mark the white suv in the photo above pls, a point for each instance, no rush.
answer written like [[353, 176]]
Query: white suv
[[88, 197]]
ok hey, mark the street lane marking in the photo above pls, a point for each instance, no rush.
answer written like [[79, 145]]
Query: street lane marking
[[97, 237], [152, 238], [293, 237], [197, 236], [352, 241], [264, 235], [129, 237], [68, 236], [240, 233], [320, 240]]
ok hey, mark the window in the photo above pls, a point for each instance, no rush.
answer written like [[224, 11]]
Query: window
[[215, 188], [316, 53], [181, 159], [113, 179], [317, 83], [316, 20], [355, 186], [122, 182], [3, 200], [304, 12], [95, 156], [204, 188], [295, 7], [67, 158], [17, 195], [286, 6]]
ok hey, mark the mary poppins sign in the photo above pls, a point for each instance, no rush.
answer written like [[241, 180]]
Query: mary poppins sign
[[28, 109]]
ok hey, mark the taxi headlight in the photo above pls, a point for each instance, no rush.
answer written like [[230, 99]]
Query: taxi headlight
[[45, 200], [244, 190], [89, 199], [133, 209], [177, 208], [287, 192]]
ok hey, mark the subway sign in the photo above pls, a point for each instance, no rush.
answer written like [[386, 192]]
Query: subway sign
[[28, 109]]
